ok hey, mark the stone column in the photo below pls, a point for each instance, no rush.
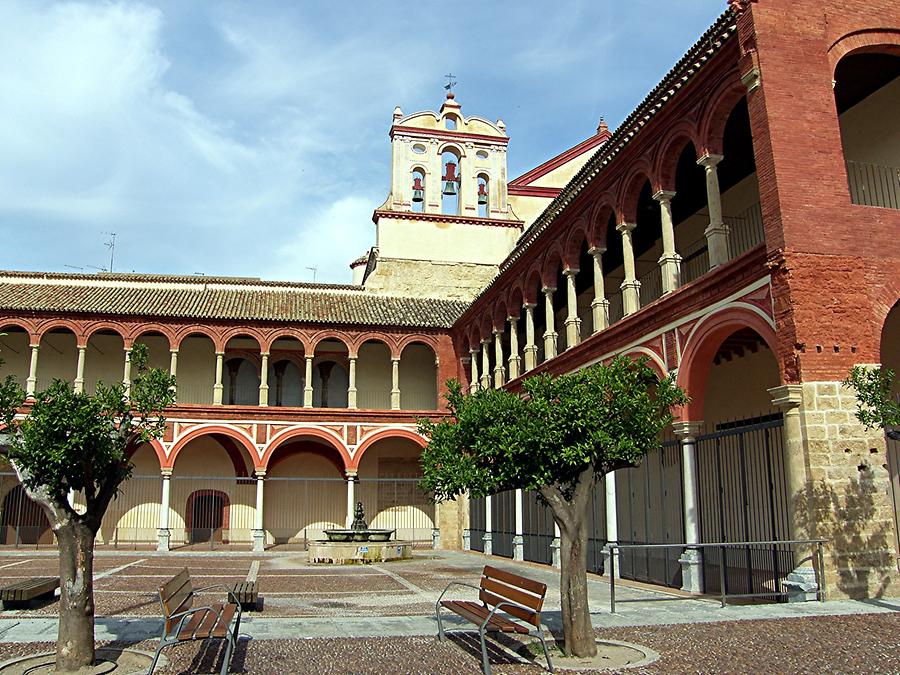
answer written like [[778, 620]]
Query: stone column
[[599, 305], [550, 334], [514, 360], [519, 538], [717, 231], [801, 582], [669, 261], [612, 522], [485, 364], [474, 383], [499, 374], [351, 385], [554, 548], [31, 382], [126, 374], [79, 370], [259, 532], [488, 526], [217, 387], [264, 380], [308, 387], [352, 479], [631, 287], [531, 348], [395, 384], [573, 323], [691, 558], [164, 533], [173, 370]]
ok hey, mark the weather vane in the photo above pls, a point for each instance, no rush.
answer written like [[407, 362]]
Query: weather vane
[[451, 82]]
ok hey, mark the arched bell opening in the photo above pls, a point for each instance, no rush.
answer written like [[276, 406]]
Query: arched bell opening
[[482, 185], [451, 171], [417, 202]]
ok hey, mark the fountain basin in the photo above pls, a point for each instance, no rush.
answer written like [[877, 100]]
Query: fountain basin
[[354, 553], [359, 535]]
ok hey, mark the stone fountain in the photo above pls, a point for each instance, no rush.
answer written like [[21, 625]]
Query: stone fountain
[[358, 544]]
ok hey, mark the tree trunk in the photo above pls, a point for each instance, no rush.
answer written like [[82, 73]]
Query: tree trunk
[[578, 634], [75, 645]]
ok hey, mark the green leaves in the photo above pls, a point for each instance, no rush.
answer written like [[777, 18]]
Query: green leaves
[[878, 408], [603, 417]]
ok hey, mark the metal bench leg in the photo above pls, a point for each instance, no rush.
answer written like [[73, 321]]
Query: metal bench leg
[[229, 648], [156, 657], [437, 615], [546, 653], [485, 664]]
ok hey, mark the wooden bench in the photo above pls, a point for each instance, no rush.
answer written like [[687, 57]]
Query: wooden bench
[[508, 603], [21, 593], [246, 593], [184, 622]]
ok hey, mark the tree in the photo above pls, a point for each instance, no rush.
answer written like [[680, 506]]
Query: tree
[[558, 439], [878, 408], [67, 443]]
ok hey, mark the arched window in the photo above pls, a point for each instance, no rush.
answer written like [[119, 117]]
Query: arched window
[[484, 201], [450, 161], [418, 190], [450, 122]]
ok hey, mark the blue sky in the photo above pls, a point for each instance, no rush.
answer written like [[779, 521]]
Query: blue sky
[[250, 139]]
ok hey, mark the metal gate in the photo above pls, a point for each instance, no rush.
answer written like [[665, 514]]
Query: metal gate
[[537, 529], [597, 528], [743, 497], [893, 457], [476, 524], [503, 523], [650, 511]]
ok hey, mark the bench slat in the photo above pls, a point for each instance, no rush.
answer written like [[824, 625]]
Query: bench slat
[[513, 593], [476, 614], [221, 628], [28, 589], [512, 579], [191, 625], [522, 613]]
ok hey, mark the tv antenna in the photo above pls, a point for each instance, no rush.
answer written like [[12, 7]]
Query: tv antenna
[[313, 270], [111, 245]]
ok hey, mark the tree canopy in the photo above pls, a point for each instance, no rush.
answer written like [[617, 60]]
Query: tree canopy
[[878, 407]]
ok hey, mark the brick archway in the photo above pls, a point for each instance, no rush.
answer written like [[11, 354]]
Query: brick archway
[[245, 441], [372, 439], [331, 439]]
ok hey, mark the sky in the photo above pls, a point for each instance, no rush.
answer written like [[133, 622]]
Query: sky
[[251, 138]]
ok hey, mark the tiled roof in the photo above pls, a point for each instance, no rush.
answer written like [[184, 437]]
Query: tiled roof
[[219, 298]]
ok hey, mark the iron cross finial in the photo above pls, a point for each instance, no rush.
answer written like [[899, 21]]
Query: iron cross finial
[[451, 82]]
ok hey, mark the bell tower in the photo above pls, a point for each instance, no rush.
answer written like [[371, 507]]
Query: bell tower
[[446, 224]]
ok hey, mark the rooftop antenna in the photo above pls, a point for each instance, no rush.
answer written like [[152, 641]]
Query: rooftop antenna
[[451, 82], [313, 270], [111, 245], [74, 267]]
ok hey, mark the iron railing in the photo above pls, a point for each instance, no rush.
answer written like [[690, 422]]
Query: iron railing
[[874, 185], [745, 231]]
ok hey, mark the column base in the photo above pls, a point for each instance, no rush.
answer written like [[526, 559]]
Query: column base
[[259, 541], [163, 537], [607, 563], [518, 547], [435, 539], [631, 296], [691, 561], [599, 315], [554, 553], [801, 585], [467, 540], [717, 244], [488, 539]]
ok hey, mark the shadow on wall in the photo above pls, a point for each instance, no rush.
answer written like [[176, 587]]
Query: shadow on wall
[[859, 550]]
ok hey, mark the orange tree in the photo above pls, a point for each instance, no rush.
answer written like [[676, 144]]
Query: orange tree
[[558, 439]]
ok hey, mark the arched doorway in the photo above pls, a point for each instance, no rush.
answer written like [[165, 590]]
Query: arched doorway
[[22, 521], [207, 516]]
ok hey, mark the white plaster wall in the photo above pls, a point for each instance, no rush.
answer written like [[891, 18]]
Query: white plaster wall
[[451, 242], [15, 354], [418, 378], [158, 346], [58, 359], [196, 370], [104, 361], [527, 208], [373, 376], [870, 131], [134, 515], [737, 389]]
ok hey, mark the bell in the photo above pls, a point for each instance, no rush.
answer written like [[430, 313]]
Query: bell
[[482, 194], [418, 191], [450, 180]]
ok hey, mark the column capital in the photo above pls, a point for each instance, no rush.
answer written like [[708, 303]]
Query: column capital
[[352, 357], [260, 473], [548, 290], [625, 227], [395, 359], [218, 353], [485, 341], [710, 160], [512, 319], [83, 348], [570, 271], [473, 352], [351, 473], [165, 473], [686, 430], [787, 396], [309, 357], [529, 305], [173, 350], [597, 251], [664, 195], [266, 354], [496, 331]]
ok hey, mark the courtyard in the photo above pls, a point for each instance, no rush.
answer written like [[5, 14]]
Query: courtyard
[[380, 618]]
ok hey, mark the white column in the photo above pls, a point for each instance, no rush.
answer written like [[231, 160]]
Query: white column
[[126, 374], [669, 261], [395, 384], [555, 560], [164, 533], [599, 305], [499, 374], [264, 380], [550, 325], [79, 370], [485, 364], [514, 360], [352, 478], [217, 387], [308, 388], [488, 526], [173, 369], [259, 532], [717, 231], [531, 348], [31, 382], [474, 383], [692, 558], [519, 538], [612, 521], [631, 295], [573, 323], [351, 385]]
